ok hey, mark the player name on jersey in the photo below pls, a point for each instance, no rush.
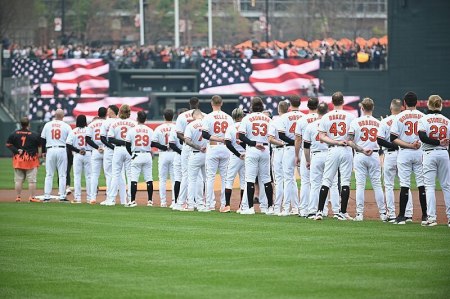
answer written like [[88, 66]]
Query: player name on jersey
[[125, 122], [410, 116], [221, 116], [337, 117], [368, 122], [259, 117], [437, 120]]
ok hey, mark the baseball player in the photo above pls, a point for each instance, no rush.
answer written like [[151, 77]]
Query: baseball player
[[182, 121], [253, 131], [287, 134], [277, 156], [404, 133], [117, 134], [54, 135], [26, 148], [166, 157], [334, 127], [93, 139], [434, 132], [76, 142], [363, 139], [193, 138], [390, 162], [300, 158], [108, 153], [315, 153], [176, 146], [139, 147], [236, 162], [215, 125]]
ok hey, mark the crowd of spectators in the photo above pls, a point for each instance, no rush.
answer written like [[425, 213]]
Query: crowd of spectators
[[141, 57]]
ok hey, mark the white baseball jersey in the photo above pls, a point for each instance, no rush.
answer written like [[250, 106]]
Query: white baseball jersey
[[140, 138], [303, 122], [105, 126], [405, 126], [274, 126], [94, 129], [77, 138], [216, 123], [311, 135], [162, 132], [183, 120], [255, 126], [436, 126], [173, 138], [194, 132], [336, 124], [119, 128], [365, 129], [55, 133], [232, 135], [289, 122]]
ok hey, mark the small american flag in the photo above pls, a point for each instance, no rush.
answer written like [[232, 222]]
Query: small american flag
[[250, 77]]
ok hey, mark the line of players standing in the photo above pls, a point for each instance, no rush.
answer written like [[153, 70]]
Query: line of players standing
[[320, 143]]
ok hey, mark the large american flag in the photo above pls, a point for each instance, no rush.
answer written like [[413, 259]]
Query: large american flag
[[250, 77]]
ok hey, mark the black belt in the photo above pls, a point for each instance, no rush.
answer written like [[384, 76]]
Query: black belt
[[279, 146], [289, 145], [56, 146], [120, 145], [435, 149], [196, 152], [140, 152], [315, 152], [261, 143], [391, 150], [336, 145]]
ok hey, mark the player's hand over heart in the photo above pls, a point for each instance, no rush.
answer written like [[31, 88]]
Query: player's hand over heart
[[260, 146], [308, 165], [82, 152], [100, 150], [367, 152], [242, 156], [416, 144], [203, 149], [444, 142], [342, 143]]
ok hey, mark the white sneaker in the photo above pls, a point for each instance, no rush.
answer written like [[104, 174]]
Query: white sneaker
[[269, 211], [383, 217], [172, 204], [250, 211], [131, 204], [294, 211], [284, 213], [359, 217], [239, 211], [68, 191], [430, 223], [150, 203], [263, 210], [319, 216], [343, 216], [163, 205], [110, 203], [276, 210], [187, 209], [203, 210]]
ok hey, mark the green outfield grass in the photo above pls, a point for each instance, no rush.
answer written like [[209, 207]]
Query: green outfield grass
[[59, 250], [7, 177]]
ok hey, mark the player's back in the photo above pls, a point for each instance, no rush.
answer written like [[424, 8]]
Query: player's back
[[232, 135], [140, 138], [311, 135], [194, 132], [365, 129], [406, 125], [173, 138], [183, 120], [255, 126], [55, 133], [120, 127], [94, 130], [303, 122], [77, 138], [436, 126], [106, 124], [216, 123], [336, 124], [385, 127], [162, 132], [289, 121]]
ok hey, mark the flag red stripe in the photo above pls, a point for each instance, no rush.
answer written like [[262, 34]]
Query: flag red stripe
[[80, 79], [72, 67], [282, 78], [259, 64]]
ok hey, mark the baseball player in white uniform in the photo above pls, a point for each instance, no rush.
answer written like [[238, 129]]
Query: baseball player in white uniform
[[166, 157], [139, 146], [76, 142], [287, 134], [176, 146], [300, 161], [434, 132], [315, 155], [277, 156], [193, 138], [253, 131], [236, 163], [363, 139], [334, 127], [404, 133], [390, 162], [108, 153], [55, 133], [117, 134], [215, 124], [183, 120], [93, 139]]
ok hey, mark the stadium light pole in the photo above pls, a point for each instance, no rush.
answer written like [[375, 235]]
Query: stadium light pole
[[210, 33], [141, 18], [177, 23]]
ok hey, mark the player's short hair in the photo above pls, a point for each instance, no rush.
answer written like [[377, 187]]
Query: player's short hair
[[124, 111], [194, 103], [81, 121], [237, 113], [114, 108], [367, 104], [313, 103], [102, 112], [59, 114], [283, 106], [434, 102], [295, 101], [141, 117], [337, 98], [257, 104], [396, 105], [168, 114], [216, 100], [24, 122], [322, 108], [410, 99], [196, 112]]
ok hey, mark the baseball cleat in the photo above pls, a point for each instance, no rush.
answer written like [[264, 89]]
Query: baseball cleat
[[383, 217], [429, 223], [75, 201], [311, 216], [358, 217], [92, 202], [343, 216], [131, 204], [225, 209], [448, 223], [239, 211], [250, 211], [18, 199], [172, 204], [319, 216], [336, 215], [269, 211], [163, 205], [63, 200], [46, 200], [203, 210], [424, 220], [294, 211], [408, 219], [284, 213], [150, 203], [68, 191], [400, 220]]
